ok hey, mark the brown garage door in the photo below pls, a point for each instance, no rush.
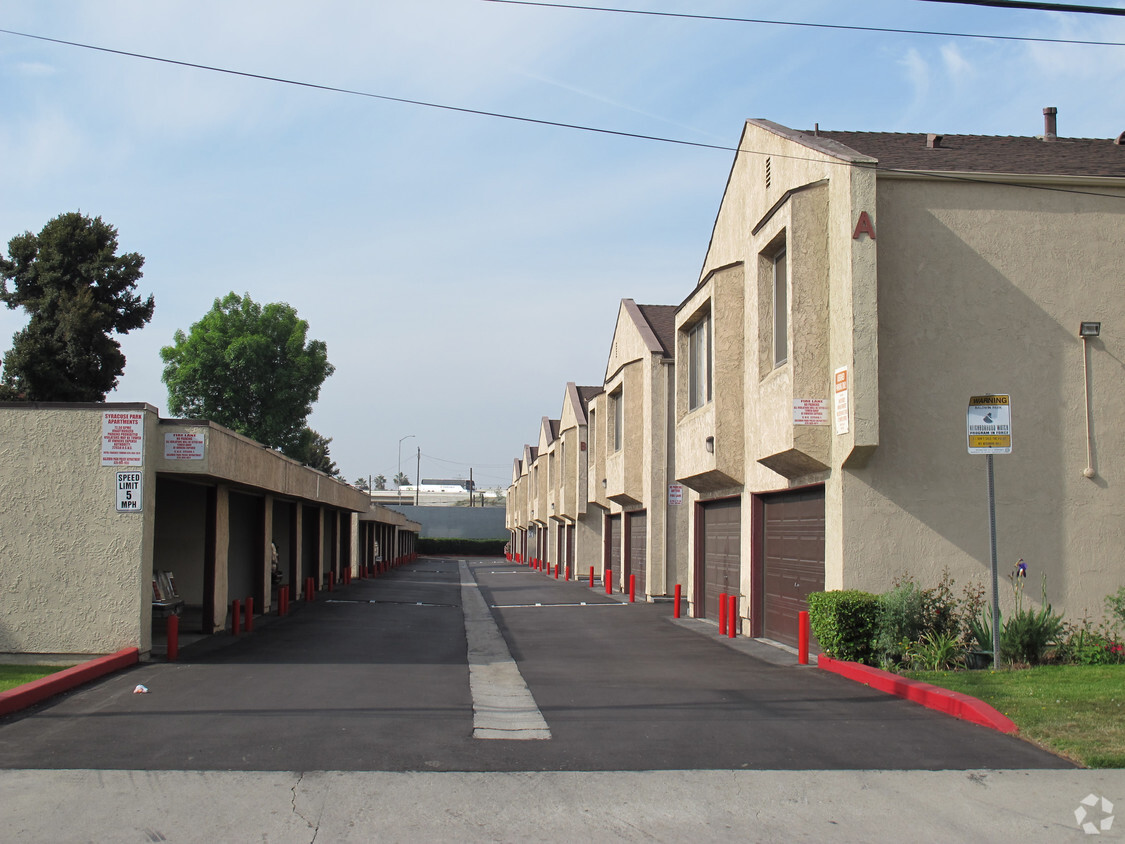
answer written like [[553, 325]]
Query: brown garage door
[[613, 538], [720, 531], [570, 549], [637, 545], [793, 559]]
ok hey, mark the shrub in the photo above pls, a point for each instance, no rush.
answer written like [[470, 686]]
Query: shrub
[[907, 614], [845, 623], [936, 652], [1027, 633], [1115, 605], [1084, 644], [468, 547], [901, 622]]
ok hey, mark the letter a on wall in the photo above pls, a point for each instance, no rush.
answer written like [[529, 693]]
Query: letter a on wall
[[864, 225]]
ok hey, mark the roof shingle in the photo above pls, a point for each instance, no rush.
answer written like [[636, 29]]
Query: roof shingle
[[986, 153]]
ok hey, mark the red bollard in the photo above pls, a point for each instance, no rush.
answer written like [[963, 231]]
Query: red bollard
[[331, 580], [723, 614], [281, 600], [250, 615], [567, 572], [310, 589], [556, 571], [173, 637], [632, 588], [609, 581], [235, 617], [676, 603], [803, 637], [732, 617], [591, 577]]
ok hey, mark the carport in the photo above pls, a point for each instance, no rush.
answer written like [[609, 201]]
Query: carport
[[119, 512]]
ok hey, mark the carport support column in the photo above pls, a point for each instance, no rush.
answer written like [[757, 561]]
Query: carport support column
[[263, 598], [215, 572], [296, 550]]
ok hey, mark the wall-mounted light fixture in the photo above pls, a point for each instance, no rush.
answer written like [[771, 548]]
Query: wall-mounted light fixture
[[604, 483], [709, 444], [1088, 330]]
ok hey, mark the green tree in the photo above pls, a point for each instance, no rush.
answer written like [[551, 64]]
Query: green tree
[[313, 451], [77, 291], [251, 368], [401, 479], [361, 484], [380, 482]]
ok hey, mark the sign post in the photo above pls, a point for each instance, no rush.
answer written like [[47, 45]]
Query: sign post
[[989, 431]]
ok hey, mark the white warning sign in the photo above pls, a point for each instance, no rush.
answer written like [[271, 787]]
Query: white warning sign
[[123, 438], [989, 425], [129, 489]]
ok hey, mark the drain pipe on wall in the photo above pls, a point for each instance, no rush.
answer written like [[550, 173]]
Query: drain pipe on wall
[[1086, 331]]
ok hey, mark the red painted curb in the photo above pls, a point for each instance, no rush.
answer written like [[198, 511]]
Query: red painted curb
[[959, 705], [24, 696]]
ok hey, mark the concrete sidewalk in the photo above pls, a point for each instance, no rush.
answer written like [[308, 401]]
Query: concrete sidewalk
[[676, 806]]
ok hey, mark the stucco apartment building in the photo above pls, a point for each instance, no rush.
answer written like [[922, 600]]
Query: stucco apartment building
[[858, 289], [100, 499]]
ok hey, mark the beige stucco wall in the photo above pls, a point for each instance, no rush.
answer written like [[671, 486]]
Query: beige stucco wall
[[721, 298], [76, 572], [981, 289], [832, 318], [233, 457]]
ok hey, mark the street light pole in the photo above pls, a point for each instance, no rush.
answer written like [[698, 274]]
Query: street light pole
[[399, 485]]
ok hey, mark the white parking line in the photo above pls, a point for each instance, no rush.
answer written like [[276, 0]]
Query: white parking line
[[503, 706]]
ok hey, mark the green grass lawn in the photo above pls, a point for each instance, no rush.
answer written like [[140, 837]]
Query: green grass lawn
[[1074, 710], [16, 675]]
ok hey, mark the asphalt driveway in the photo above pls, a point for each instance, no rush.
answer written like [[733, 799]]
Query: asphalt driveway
[[376, 677]]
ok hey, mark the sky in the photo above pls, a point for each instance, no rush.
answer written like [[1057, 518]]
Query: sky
[[463, 268]]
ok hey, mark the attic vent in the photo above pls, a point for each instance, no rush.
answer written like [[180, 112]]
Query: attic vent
[[768, 176], [934, 141]]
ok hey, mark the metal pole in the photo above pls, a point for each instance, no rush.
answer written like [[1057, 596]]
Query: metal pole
[[397, 484], [418, 476], [992, 558]]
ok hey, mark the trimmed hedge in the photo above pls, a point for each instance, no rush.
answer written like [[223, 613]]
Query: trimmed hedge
[[468, 547], [845, 623]]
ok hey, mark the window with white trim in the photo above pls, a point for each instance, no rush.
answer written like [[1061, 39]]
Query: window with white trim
[[699, 363]]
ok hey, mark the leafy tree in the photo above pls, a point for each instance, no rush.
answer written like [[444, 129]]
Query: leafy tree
[[77, 291], [251, 368], [361, 484], [314, 452], [380, 482], [401, 479]]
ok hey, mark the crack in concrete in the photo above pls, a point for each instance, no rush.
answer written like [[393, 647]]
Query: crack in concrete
[[293, 803]]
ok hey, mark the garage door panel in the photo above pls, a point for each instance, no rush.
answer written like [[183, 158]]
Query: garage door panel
[[793, 560], [638, 550], [721, 528], [615, 543]]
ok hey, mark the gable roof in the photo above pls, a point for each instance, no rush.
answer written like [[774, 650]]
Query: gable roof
[[662, 320], [1025, 156], [585, 394]]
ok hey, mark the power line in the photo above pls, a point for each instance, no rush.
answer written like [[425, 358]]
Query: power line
[[536, 121], [806, 24], [460, 109], [1041, 7], [473, 465]]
